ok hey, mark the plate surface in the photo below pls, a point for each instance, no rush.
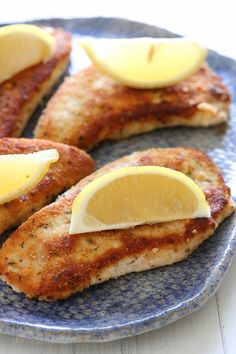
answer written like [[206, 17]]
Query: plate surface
[[136, 303]]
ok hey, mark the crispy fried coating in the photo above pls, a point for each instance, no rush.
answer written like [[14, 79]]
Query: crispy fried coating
[[73, 165], [90, 107], [43, 261], [21, 94]]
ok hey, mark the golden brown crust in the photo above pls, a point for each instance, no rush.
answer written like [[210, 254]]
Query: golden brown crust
[[20, 95], [63, 264], [72, 166], [93, 107]]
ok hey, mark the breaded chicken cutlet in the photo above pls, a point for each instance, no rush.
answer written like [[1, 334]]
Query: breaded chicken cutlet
[[73, 165], [43, 261], [21, 94], [89, 107]]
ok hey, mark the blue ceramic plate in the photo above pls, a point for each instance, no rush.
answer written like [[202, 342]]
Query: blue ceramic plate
[[140, 302]]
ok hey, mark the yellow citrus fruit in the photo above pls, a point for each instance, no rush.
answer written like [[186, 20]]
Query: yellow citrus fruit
[[22, 46], [145, 62], [133, 196], [20, 173]]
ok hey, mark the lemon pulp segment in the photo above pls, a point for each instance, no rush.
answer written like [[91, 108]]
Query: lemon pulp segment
[[137, 195], [145, 62], [22, 46], [20, 173]]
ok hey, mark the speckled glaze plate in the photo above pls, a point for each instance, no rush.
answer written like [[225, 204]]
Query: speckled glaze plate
[[140, 302]]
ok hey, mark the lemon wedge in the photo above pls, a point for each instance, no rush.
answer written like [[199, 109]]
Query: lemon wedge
[[20, 173], [133, 196], [145, 62], [22, 46]]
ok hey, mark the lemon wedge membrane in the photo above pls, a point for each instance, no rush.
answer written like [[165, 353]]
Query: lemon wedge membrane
[[20, 173], [133, 196], [22, 46], [145, 62]]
